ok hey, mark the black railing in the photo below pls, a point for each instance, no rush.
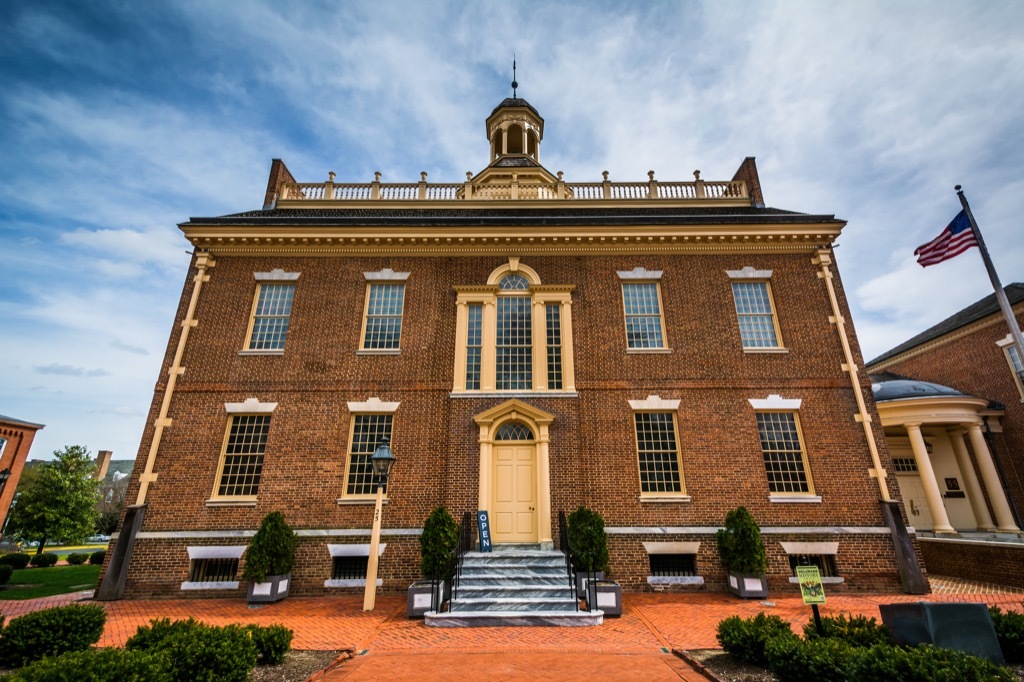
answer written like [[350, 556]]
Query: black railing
[[571, 561], [452, 573]]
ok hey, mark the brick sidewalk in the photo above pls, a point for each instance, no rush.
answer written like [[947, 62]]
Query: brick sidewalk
[[638, 644]]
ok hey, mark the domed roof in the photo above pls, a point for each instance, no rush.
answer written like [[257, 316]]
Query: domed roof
[[895, 387], [509, 102]]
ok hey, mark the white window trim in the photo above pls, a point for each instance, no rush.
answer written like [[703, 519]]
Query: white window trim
[[639, 273], [819, 548], [386, 275], [373, 405], [775, 402], [749, 273], [1005, 344], [276, 275], [250, 406], [218, 552], [353, 550], [673, 548], [654, 403]]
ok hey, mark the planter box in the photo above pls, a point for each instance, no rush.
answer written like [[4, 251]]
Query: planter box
[[581, 581], [420, 598], [606, 596], [748, 585], [274, 589], [964, 627]]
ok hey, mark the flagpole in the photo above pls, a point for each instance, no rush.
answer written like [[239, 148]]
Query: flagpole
[[1004, 303]]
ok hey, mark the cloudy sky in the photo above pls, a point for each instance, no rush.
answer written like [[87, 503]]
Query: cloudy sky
[[118, 120]]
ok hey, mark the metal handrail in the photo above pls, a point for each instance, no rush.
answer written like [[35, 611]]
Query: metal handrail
[[570, 555], [454, 568]]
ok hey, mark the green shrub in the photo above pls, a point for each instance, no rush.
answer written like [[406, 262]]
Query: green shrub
[[44, 560], [857, 630], [272, 550], [51, 632], [76, 558], [439, 539], [5, 573], [272, 643], [1009, 627], [200, 652], [150, 637], [18, 560], [739, 543], [745, 639], [96, 558], [588, 540], [796, 660], [925, 663], [97, 665], [210, 653]]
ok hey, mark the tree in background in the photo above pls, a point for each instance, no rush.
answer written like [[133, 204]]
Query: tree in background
[[61, 502], [111, 502]]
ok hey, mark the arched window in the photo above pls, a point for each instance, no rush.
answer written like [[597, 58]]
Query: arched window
[[514, 431], [514, 334], [515, 139]]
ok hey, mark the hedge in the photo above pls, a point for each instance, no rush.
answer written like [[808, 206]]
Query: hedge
[[51, 632]]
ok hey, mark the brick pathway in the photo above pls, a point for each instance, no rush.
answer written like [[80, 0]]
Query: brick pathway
[[390, 646]]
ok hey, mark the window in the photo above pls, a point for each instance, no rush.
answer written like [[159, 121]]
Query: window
[[673, 564], [213, 567], [644, 323], [755, 310], [212, 570], [270, 316], [242, 460], [1013, 359], [367, 432], [383, 323], [514, 334], [784, 460], [904, 465], [658, 452], [826, 563], [349, 567]]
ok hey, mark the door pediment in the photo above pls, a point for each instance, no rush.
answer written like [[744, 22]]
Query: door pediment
[[514, 409]]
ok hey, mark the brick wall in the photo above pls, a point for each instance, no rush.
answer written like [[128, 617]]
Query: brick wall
[[592, 451], [998, 563]]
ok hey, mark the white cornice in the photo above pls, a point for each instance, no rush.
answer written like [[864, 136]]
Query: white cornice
[[250, 406], [775, 402], [749, 273], [373, 405]]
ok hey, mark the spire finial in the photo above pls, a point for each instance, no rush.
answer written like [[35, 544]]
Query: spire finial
[[514, 83]]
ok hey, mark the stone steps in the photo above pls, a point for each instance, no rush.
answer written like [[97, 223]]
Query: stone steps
[[520, 586]]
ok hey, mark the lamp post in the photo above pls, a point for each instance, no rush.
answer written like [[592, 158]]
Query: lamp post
[[381, 461]]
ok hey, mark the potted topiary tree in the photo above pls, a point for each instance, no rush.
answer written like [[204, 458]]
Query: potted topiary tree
[[269, 560], [742, 554], [589, 544], [438, 541]]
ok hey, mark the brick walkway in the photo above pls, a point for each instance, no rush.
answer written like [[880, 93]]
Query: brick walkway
[[390, 646]]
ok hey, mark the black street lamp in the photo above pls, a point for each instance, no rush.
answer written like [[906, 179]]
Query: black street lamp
[[381, 462]]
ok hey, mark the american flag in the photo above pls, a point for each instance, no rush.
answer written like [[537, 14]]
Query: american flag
[[954, 240]]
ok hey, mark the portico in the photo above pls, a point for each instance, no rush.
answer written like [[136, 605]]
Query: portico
[[933, 431]]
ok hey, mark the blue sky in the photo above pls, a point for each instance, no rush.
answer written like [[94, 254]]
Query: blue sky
[[122, 119]]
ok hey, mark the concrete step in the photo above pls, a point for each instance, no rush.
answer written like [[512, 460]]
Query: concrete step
[[523, 591], [506, 579], [469, 619], [491, 603]]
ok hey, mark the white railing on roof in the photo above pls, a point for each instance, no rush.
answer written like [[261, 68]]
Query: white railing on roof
[[698, 190]]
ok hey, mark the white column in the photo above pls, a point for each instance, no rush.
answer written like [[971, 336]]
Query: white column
[[940, 520], [540, 346], [544, 496], [568, 364], [1004, 517], [488, 354], [974, 492], [484, 496], [461, 338]]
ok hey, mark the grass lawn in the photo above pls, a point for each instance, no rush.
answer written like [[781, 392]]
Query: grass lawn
[[30, 583]]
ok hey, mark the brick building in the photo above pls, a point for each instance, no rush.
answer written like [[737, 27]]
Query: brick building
[[661, 352], [951, 401]]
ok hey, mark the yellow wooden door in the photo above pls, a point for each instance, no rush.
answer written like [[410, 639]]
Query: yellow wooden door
[[514, 516]]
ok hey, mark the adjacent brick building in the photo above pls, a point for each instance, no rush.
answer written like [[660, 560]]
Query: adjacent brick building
[[661, 352]]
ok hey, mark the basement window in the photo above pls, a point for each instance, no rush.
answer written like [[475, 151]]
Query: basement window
[[213, 568], [820, 554], [673, 563], [349, 565]]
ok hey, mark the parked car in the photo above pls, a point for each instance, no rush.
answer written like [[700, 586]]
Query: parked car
[[98, 539]]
